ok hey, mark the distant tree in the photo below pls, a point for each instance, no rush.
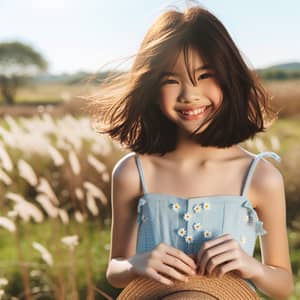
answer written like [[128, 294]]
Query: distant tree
[[18, 63]]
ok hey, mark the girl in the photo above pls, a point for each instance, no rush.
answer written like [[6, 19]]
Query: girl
[[184, 200]]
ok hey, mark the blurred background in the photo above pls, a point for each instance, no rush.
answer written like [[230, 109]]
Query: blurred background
[[55, 170]]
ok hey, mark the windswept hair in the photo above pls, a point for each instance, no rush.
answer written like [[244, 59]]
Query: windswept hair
[[126, 106]]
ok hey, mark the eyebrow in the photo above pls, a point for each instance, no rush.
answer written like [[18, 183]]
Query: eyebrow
[[168, 73]]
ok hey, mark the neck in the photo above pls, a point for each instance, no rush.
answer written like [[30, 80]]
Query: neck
[[188, 151]]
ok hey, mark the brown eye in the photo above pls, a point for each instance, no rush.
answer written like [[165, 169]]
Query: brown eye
[[169, 81], [205, 75]]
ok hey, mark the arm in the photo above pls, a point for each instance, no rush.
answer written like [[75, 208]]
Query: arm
[[163, 263], [274, 274], [124, 191]]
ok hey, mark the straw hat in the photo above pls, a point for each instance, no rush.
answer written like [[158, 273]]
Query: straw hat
[[228, 287]]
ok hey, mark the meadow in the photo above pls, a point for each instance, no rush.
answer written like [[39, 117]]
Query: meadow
[[55, 193]]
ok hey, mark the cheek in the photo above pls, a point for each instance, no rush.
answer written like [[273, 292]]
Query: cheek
[[216, 94], [167, 98], [169, 92]]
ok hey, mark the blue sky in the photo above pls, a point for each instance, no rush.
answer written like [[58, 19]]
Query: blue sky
[[76, 35]]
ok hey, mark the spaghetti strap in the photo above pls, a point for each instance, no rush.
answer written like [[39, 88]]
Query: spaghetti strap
[[253, 165], [141, 173]]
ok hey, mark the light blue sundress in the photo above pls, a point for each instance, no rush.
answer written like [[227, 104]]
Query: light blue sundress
[[186, 223]]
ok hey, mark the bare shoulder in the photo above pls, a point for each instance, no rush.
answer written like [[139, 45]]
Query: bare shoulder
[[267, 175], [125, 173], [125, 190], [267, 181]]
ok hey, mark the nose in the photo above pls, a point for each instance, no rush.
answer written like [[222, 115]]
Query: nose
[[189, 94]]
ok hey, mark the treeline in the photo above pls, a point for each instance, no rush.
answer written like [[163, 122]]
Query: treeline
[[278, 74]]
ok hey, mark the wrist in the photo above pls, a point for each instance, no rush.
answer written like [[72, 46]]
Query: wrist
[[258, 270], [130, 269]]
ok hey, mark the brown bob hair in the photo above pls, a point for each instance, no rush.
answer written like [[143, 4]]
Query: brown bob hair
[[126, 105]]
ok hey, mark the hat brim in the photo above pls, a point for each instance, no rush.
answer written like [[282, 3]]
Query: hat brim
[[228, 287]]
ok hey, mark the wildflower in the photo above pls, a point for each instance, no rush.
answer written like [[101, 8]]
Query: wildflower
[[45, 202], [105, 176], [259, 144], [5, 158], [8, 139], [35, 273], [275, 143], [55, 155], [97, 164], [3, 281], [95, 191], [45, 187], [12, 214], [35, 290], [63, 215], [91, 204], [107, 247], [79, 193], [79, 216], [26, 172], [7, 224], [71, 241], [25, 209], [46, 255], [5, 178], [74, 162]]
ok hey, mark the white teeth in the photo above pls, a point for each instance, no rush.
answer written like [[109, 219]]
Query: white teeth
[[193, 112]]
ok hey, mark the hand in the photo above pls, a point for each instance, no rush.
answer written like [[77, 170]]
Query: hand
[[224, 254], [163, 263]]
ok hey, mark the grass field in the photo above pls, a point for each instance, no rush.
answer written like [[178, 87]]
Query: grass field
[[81, 272]]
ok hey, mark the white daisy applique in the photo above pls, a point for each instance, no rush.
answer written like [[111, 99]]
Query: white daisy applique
[[176, 206], [207, 233], [188, 239], [243, 239], [246, 218], [197, 208], [187, 216], [181, 232], [206, 205], [197, 226]]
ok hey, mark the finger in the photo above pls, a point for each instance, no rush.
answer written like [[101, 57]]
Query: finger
[[172, 272], [211, 254], [212, 243], [227, 267], [177, 263], [219, 259], [209, 244], [193, 256], [182, 256], [159, 277]]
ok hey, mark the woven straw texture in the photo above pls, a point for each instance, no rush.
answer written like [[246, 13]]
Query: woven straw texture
[[229, 287]]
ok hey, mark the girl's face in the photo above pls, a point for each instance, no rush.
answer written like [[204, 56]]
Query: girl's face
[[185, 104]]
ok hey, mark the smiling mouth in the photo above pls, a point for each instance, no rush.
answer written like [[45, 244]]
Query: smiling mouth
[[194, 113]]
